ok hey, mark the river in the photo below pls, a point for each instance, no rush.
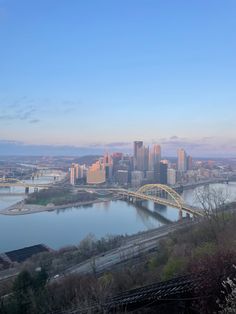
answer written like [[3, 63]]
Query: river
[[69, 226]]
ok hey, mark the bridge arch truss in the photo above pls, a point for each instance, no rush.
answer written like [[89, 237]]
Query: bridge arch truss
[[172, 193]]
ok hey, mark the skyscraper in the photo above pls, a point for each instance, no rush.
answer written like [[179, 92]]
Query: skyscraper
[[189, 163], [163, 172], [154, 156], [154, 161], [142, 158], [107, 163], [182, 160], [137, 146], [72, 175]]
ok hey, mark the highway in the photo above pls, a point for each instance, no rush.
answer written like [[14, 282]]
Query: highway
[[133, 247], [193, 185]]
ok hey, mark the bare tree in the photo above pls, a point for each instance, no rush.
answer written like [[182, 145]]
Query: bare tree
[[229, 293], [213, 201]]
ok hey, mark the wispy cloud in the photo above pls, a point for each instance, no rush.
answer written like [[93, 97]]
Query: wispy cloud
[[24, 115], [118, 144], [206, 146], [11, 142], [10, 148], [21, 108], [25, 108], [174, 137], [34, 121]]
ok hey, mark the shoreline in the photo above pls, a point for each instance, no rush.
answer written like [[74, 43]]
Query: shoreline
[[21, 208]]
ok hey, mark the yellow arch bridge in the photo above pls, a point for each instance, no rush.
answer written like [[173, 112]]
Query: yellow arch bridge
[[160, 194]]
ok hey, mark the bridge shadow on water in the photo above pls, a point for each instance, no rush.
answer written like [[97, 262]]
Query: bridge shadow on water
[[152, 213]]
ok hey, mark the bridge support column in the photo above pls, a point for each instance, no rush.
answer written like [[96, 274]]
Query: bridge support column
[[159, 206], [36, 190], [26, 190], [180, 214], [139, 202]]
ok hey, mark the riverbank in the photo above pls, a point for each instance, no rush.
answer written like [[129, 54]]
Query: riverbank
[[21, 208]]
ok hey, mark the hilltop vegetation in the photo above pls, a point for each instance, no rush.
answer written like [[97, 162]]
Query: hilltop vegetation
[[208, 247]]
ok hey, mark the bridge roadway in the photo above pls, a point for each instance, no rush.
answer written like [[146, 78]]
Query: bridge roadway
[[187, 186], [5, 182], [24, 184], [183, 206], [10, 182]]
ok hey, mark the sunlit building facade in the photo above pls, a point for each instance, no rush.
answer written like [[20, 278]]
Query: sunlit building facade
[[96, 174], [182, 160], [72, 173]]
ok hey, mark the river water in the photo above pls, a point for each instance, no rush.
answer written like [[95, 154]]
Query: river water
[[69, 226]]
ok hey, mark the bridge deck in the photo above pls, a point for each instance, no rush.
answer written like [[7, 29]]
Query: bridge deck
[[182, 206]]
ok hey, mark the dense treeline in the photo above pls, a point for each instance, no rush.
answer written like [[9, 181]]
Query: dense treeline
[[55, 262], [58, 197]]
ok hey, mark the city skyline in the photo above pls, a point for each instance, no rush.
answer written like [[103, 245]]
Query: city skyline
[[91, 76], [169, 147]]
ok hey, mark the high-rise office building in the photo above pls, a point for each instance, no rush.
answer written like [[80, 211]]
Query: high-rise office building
[[142, 158], [163, 172], [78, 171], [154, 161], [107, 163], [182, 160], [171, 176], [189, 163], [154, 156], [116, 160], [72, 175], [137, 146]]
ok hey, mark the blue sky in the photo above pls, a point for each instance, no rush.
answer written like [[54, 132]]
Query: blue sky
[[98, 73]]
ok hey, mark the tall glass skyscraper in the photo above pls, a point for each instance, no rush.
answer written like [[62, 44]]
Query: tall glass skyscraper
[[182, 160], [137, 146]]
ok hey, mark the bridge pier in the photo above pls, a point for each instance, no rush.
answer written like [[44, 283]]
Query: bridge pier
[[139, 202], [159, 206], [164, 196], [180, 214], [129, 198]]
